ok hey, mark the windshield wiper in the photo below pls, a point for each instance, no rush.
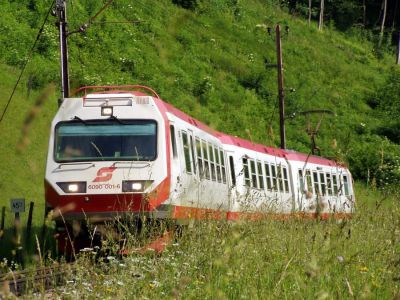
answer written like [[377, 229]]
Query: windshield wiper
[[80, 120], [118, 120]]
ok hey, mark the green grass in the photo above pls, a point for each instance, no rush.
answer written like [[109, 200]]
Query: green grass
[[355, 258]]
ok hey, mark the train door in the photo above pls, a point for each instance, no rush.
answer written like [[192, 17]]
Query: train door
[[189, 169]]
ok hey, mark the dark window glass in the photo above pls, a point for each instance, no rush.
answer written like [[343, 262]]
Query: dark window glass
[[173, 141], [246, 172], [232, 167], [186, 151], [268, 177], [260, 175], [223, 166], [193, 156]]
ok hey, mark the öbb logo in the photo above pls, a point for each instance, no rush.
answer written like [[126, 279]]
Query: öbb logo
[[104, 174]]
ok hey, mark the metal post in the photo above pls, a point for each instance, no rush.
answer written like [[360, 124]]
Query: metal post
[[61, 10], [280, 88]]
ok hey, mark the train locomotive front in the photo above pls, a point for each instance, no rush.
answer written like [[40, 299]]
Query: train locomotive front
[[108, 157]]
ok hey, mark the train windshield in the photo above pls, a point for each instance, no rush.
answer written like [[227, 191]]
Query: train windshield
[[107, 140]]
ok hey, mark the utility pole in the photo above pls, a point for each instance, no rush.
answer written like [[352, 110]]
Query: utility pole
[[61, 12], [280, 87]]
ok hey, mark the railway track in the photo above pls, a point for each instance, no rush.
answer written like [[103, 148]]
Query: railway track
[[44, 279], [38, 280]]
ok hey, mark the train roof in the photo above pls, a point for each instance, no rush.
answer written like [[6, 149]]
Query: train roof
[[223, 137]]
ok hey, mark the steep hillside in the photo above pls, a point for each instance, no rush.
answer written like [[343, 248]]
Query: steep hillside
[[211, 62]]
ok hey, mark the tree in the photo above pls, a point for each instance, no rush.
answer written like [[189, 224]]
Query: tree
[[384, 7], [321, 15]]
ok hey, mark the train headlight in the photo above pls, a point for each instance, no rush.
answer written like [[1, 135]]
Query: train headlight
[[135, 186], [72, 187], [107, 111]]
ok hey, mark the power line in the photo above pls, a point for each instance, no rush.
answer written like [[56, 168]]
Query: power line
[[27, 60]]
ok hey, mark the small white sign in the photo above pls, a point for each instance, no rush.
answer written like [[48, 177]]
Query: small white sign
[[17, 205]]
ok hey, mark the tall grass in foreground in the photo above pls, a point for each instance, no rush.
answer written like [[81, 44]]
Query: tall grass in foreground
[[357, 258]]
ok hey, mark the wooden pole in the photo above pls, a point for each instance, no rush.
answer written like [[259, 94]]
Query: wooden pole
[[17, 237], [280, 88]]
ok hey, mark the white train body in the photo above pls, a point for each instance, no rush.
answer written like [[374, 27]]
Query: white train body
[[123, 152]]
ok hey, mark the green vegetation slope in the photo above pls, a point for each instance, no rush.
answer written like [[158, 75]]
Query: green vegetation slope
[[213, 64]]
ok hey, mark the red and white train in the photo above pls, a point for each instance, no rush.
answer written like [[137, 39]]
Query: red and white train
[[118, 151]]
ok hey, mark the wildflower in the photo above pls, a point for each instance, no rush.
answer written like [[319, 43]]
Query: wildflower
[[340, 258], [363, 269], [153, 284]]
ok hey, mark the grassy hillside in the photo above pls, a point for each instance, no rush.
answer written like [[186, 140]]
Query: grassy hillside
[[210, 63]]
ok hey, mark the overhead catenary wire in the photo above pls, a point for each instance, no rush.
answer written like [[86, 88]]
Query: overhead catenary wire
[[29, 56]]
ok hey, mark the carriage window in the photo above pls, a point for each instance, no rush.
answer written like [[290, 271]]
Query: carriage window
[[260, 175], [246, 172], [268, 177], [335, 184], [232, 167], [199, 157], [316, 183], [212, 162], [308, 181], [274, 180], [346, 185], [285, 179], [329, 184], [206, 159], [253, 173], [218, 164], [279, 175], [192, 152], [323, 184], [223, 166], [186, 151], [301, 180], [173, 141]]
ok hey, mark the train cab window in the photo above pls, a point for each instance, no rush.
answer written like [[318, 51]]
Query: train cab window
[[274, 179], [173, 141], [199, 157], [323, 183], [246, 172], [106, 140], [232, 169], [212, 162], [346, 185], [223, 166], [193, 156], [218, 164], [260, 175], [206, 159], [268, 177], [335, 184], [253, 173], [316, 183], [285, 179], [308, 181], [328, 184], [186, 151], [301, 181]]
